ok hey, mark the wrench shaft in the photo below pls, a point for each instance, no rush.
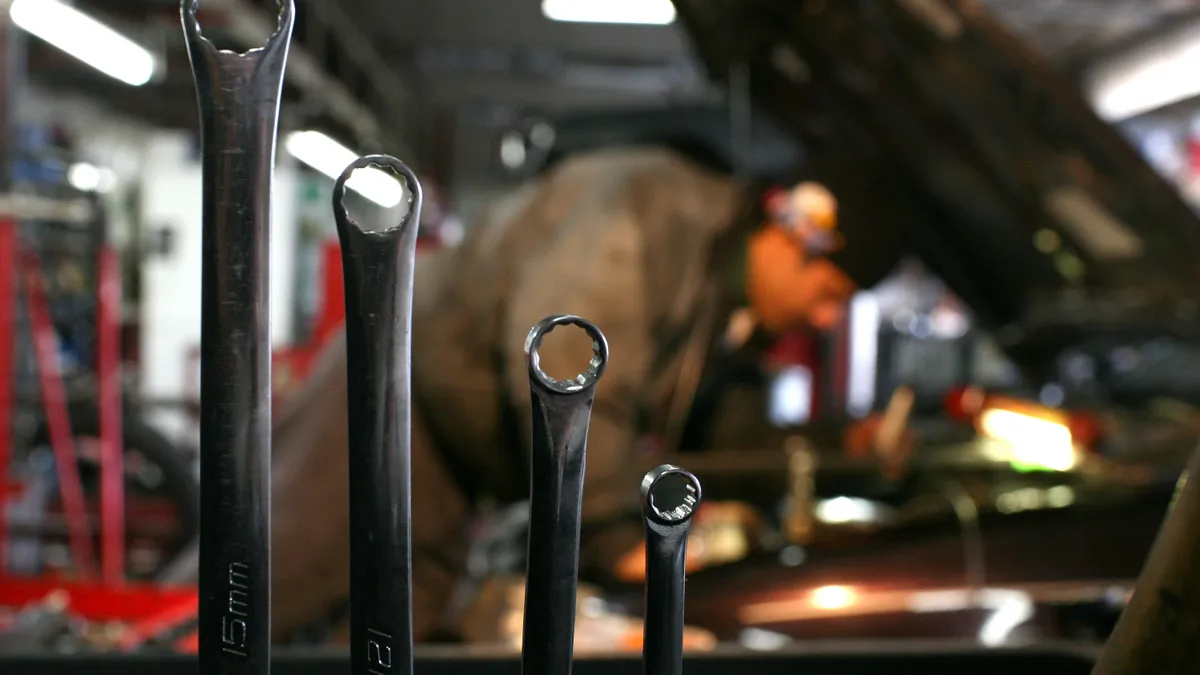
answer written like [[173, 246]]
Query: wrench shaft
[[668, 514], [238, 96], [378, 268], [663, 638], [561, 414]]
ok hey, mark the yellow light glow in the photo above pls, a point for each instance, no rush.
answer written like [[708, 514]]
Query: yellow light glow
[[832, 597], [1034, 440]]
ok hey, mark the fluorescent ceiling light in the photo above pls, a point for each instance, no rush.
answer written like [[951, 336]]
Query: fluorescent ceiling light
[[1145, 88], [331, 158], [647, 12], [85, 38], [1147, 77]]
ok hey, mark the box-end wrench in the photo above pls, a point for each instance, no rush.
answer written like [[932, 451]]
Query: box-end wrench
[[670, 496], [378, 269], [562, 411], [238, 96]]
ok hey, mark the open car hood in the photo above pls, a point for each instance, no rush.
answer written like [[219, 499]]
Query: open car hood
[[1037, 214]]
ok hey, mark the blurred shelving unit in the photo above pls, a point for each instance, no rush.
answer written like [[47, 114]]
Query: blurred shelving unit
[[65, 235]]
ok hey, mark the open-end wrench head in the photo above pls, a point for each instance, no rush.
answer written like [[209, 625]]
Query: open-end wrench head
[[670, 495], [412, 192], [283, 30], [581, 382]]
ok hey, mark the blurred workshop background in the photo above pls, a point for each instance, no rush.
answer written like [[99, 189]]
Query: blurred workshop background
[[1008, 360]]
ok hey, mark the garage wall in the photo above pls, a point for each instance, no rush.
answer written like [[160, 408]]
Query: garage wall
[[162, 170]]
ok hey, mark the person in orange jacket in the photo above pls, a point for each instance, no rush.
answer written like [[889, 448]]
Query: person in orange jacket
[[791, 286], [791, 289], [789, 283]]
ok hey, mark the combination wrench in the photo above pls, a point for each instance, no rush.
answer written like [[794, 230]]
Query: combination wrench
[[561, 414], [239, 96], [378, 269], [670, 496]]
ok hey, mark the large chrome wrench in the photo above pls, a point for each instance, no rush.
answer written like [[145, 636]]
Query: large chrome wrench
[[378, 268], [239, 98], [562, 410]]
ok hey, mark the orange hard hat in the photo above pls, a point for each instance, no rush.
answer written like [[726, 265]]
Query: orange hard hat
[[817, 203]]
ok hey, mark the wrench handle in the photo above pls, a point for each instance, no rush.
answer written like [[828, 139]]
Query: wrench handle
[[378, 269], [670, 497], [238, 96], [561, 415]]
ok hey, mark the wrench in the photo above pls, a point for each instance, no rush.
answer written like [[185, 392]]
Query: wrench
[[239, 96], [378, 269], [670, 497], [561, 413]]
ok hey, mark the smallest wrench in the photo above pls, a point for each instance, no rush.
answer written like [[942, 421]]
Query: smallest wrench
[[670, 497]]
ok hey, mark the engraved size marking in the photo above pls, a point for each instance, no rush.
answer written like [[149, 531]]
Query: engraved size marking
[[234, 628], [379, 652]]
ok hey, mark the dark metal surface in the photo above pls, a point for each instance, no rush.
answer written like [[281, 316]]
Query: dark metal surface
[[13, 49], [667, 510], [378, 268], [12, 79], [562, 410], [817, 659], [238, 95]]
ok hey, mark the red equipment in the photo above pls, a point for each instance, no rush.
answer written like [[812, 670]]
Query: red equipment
[[144, 612], [292, 364], [112, 455], [62, 440], [8, 292]]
